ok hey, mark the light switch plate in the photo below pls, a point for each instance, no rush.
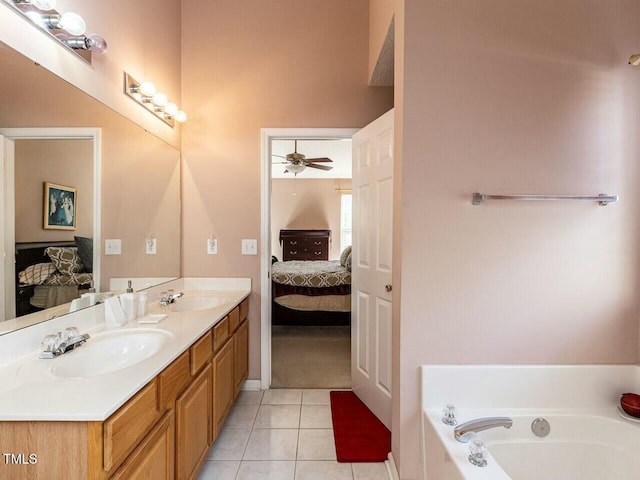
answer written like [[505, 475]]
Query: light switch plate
[[212, 246], [249, 246], [151, 246], [113, 246]]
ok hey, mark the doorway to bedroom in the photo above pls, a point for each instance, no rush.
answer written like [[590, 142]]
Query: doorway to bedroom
[[310, 241]]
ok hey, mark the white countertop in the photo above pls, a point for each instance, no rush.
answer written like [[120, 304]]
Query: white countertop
[[30, 391]]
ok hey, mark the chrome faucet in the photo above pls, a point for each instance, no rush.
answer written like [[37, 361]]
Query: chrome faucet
[[465, 431], [169, 298], [58, 344]]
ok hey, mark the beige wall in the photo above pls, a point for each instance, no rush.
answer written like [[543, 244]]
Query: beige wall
[[315, 206], [248, 65], [140, 172], [64, 162], [514, 97], [148, 49], [380, 16]]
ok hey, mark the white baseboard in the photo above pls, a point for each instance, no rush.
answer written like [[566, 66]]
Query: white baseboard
[[392, 471], [251, 385]]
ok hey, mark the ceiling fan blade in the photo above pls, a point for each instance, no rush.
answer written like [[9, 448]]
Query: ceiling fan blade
[[281, 163], [323, 159], [319, 167], [279, 156]]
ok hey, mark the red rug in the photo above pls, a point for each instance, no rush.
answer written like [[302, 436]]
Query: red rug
[[358, 434]]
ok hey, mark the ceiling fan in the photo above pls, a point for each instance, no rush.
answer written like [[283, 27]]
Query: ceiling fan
[[296, 162]]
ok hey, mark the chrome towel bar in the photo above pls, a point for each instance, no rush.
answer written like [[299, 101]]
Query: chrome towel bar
[[602, 199]]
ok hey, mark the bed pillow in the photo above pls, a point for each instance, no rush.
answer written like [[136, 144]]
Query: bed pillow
[[343, 256], [85, 251], [36, 274], [347, 262], [65, 259]]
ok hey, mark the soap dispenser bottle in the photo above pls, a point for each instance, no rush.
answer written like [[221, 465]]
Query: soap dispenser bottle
[[129, 303]]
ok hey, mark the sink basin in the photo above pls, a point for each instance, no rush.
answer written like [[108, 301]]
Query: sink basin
[[108, 352], [190, 303]]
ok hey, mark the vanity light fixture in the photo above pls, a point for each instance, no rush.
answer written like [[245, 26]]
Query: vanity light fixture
[[634, 60], [67, 28], [146, 94]]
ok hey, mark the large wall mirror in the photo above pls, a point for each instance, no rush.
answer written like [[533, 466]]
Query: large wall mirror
[[78, 174]]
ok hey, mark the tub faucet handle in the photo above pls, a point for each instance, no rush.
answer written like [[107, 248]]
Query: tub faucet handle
[[477, 452], [449, 415]]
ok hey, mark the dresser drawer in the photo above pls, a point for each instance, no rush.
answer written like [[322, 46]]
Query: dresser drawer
[[124, 429]]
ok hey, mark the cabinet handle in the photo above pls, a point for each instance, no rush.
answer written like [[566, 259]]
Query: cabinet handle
[[293, 253], [318, 243], [293, 242], [388, 287]]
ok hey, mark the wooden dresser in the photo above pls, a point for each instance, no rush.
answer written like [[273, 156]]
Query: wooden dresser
[[305, 244]]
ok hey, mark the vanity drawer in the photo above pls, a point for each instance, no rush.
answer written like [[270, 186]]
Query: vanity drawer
[[244, 309], [234, 319], [173, 380], [220, 333], [201, 352], [124, 429]]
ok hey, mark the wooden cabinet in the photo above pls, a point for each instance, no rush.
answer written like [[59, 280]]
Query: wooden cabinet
[[163, 432], [154, 457], [305, 244], [193, 426], [124, 429], [240, 357], [222, 385]]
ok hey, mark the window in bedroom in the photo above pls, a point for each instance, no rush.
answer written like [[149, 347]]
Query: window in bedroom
[[345, 221]]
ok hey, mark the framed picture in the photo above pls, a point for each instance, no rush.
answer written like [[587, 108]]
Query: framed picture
[[60, 207]]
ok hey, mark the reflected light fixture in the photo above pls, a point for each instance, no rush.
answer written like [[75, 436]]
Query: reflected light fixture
[[146, 94], [634, 60], [67, 28]]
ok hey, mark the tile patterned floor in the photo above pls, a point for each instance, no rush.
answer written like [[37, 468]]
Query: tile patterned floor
[[282, 434]]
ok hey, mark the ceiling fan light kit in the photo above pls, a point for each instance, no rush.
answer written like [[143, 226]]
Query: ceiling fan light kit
[[296, 162]]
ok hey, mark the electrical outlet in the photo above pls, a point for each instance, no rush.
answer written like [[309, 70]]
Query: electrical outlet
[[212, 246], [151, 244], [249, 246], [113, 246]]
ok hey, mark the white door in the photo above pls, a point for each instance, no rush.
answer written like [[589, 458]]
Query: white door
[[371, 265]]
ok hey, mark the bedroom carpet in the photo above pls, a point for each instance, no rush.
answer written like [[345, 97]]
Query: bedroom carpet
[[310, 357]]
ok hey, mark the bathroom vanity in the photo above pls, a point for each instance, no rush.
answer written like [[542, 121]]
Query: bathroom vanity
[[155, 418]]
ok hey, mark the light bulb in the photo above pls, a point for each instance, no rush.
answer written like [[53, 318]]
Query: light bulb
[[170, 109], [96, 43], [147, 89], [159, 99], [44, 4], [72, 23], [180, 116], [36, 18]]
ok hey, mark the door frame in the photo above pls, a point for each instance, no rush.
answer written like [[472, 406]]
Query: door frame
[[7, 184], [266, 135]]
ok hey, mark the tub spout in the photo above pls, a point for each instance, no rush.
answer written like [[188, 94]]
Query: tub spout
[[464, 431]]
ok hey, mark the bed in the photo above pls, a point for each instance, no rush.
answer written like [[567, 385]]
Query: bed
[[51, 273], [311, 292]]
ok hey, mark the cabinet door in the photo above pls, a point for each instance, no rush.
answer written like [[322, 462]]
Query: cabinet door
[[153, 458], [222, 385], [193, 426], [240, 357]]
